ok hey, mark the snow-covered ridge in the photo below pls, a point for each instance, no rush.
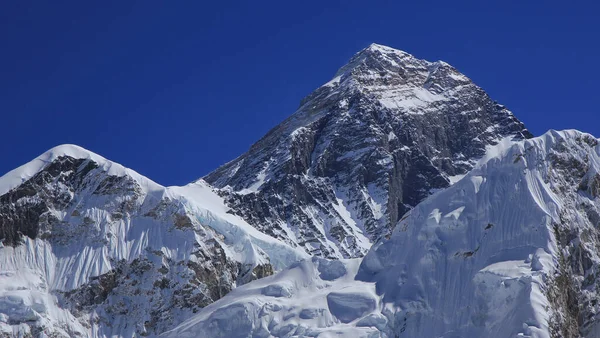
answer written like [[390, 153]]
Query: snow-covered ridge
[[510, 250], [387, 131], [198, 194], [203, 201]]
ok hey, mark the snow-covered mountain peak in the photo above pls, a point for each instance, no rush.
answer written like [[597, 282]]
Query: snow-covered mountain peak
[[372, 54], [377, 46], [86, 241], [363, 149], [378, 67], [23, 173]]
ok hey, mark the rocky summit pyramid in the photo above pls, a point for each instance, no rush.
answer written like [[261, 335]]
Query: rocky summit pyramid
[[386, 132], [93, 249]]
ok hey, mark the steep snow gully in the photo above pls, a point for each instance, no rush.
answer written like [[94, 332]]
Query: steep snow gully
[[399, 200]]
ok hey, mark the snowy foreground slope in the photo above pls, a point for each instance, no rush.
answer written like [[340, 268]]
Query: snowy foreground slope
[[511, 250], [92, 249]]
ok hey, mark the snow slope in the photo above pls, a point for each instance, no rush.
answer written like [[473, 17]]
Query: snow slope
[[510, 250], [94, 249], [296, 302]]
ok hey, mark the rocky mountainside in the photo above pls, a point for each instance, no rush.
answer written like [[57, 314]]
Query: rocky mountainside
[[362, 150], [92, 249], [510, 250]]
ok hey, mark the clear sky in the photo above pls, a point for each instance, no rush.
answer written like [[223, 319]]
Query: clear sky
[[173, 89]]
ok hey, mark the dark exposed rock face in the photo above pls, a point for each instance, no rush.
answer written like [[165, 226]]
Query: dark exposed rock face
[[24, 211], [362, 150], [153, 289]]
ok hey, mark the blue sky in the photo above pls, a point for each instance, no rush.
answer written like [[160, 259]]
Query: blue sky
[[173, 89]]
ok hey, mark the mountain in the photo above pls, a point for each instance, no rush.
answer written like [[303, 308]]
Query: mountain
[[510, 250], [92, 249], [386, 132]]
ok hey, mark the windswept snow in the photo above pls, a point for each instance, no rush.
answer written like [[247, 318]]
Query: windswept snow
[[388, 131]]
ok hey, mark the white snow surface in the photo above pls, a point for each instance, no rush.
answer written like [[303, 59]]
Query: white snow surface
[[473, 260], [312, 298]]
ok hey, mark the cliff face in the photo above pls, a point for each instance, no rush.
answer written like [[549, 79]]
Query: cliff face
[[362, 150], [90, 248]]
